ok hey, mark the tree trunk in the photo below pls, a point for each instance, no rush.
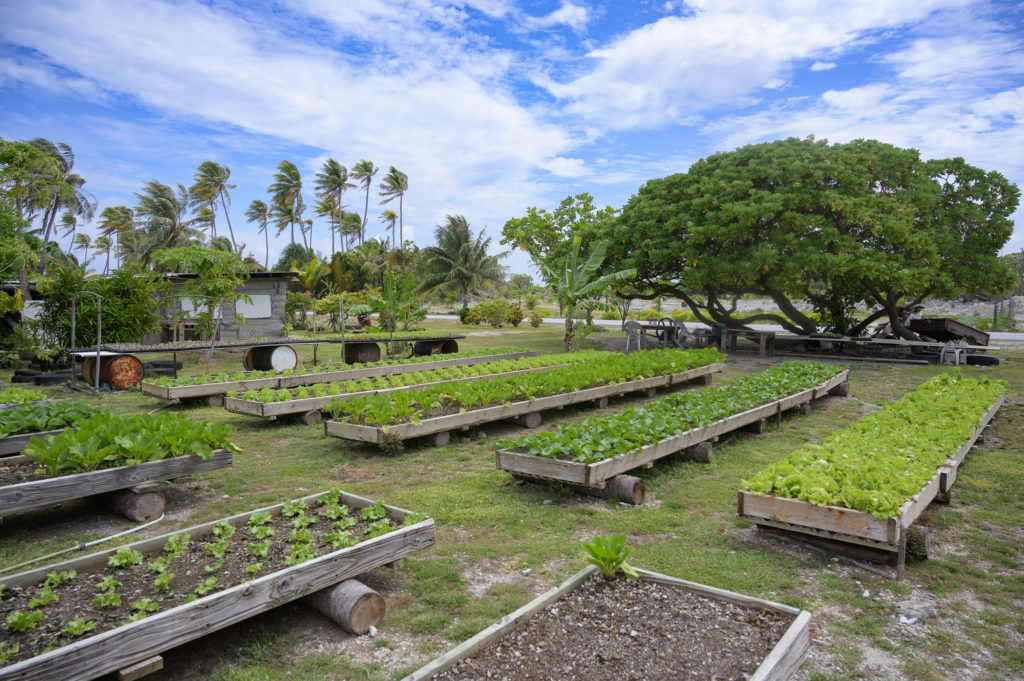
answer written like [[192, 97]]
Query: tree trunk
[[223, 204]]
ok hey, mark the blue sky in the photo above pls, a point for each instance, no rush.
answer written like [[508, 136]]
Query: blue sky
[[490, 106]]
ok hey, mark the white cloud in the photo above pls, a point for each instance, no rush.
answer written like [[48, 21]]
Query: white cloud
[[42, 76], [566, 167], [823, 66], [657, 74], [467, 145], [573, 16]]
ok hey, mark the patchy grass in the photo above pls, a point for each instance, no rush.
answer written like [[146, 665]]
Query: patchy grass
[[530, 534]]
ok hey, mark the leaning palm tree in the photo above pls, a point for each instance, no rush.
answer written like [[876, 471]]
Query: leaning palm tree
[[395, 184], [260, 214], [331, 183], [459, 262], [389, 218], [118, 220], [83, 242], [163, 217], [102, 246], [210, 184], [69, 223], [326, 208], [286, 191], [60, 189], [364, 172], [350, 226]]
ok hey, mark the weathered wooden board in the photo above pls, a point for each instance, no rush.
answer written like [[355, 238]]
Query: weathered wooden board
[[594, 474], [53, 490], [784, 658], [12, 444], [14, 405], [405, 431], [180, 392], [275, 409], [118, 648], [846, 524]]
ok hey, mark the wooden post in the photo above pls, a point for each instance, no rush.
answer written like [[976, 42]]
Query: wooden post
[[441, 439], [140, 669], [806, 409], [601, 403], [529, 420], [312, 417], [215, 401], [757, 427], [700, 452], [139, 504], [351, 605], [841, 390], [652, 393]]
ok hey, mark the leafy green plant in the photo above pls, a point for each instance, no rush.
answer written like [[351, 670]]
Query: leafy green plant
[[43, 598], [125, 557], [340, 539], [33, 418], [23, 621], [413, 518], [107, 599], [609, 554], [378, 528], [254, 568], [223, 530], [78, 627], [218, 548], [107, 584], [7, 650], [141, 608], [209, 569], [20, 395], [374, 512], [206, 586], [291, 509], [299, 553], [303, 521], [55, 579], [262, 532], [301, 536], [163, 581], [335, 512], [259, 518], [260, 549], [176, 545], [344, 523]]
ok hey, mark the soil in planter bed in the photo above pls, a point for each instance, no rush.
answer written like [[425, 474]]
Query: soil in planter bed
[[621, 630], [75, 596], [26, 471]]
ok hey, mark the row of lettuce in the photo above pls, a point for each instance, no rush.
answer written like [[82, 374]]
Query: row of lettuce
[[327, 367]]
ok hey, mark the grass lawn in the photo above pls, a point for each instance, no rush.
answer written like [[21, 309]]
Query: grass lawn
[[500, 542]]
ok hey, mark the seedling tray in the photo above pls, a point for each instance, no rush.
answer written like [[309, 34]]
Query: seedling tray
[[781, 662], [596, 474], [117, 648], [36, 493], [406, 431], [854, 526]]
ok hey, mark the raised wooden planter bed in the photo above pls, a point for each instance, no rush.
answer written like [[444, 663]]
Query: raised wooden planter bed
[[441, 425], [835, 523], [36, 493], [212, 389], [118, 648], [272, 410], [781, 662], [596, 475], [4, 406], [12, 444]]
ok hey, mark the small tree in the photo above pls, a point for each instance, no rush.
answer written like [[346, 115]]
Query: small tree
[[220, 274], [576, 286]]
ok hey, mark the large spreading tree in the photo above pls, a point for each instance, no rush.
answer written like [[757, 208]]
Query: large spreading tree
[[838, 225]]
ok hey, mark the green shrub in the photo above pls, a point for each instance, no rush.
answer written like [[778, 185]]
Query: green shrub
[[649, 315], [535, 320], [610, 315]]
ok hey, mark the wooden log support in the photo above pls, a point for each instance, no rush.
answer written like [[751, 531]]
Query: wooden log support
[[441, 439], [140, 669], [215, 401], [758, 427], [627, 488], [351, 605], [529, 420], [806, 409], [841, 390], [601, 403], [700, 452], [311, 417], [919, 543], [651, 393], [137, 504], [707, 379]]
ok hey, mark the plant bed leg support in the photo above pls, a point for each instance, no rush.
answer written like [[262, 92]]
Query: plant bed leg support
[[140, 669], [351, 605], [700, 452], [139, 504], [757, 427], [626, 488], [529, 420], [441, 439], [215, 401], [312, 417]]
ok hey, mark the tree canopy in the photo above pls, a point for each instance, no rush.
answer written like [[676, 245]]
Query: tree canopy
[[842, 224]]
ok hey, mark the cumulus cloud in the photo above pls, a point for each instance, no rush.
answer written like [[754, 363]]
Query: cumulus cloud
[[823, 66], [573, 16]]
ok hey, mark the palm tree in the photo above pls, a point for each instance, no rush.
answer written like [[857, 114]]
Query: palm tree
[[83, 242], [364, 172], [118, 220], [350, 226], [61, 189], [260, 214], [286, 191], [283, 215], [326, 208], [389, 218], [395, 184], [102, 247], [331, 183], [69, 223], [210, 183], [459, 261], [163, 216]]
